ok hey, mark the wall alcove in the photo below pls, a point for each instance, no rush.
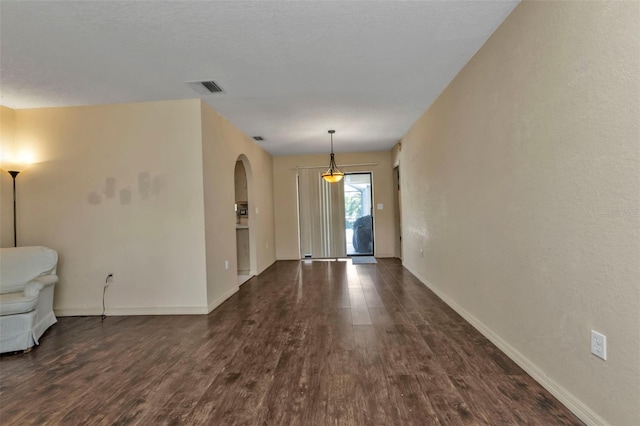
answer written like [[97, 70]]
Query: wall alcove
[[245, 227]]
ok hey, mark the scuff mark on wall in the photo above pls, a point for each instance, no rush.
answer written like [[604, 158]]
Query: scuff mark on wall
[[110, 187], [94, 198]]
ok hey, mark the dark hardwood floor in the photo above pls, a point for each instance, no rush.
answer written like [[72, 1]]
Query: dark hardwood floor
[[305, 343]]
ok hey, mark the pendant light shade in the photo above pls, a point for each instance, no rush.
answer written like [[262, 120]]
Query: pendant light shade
[[333, 174]]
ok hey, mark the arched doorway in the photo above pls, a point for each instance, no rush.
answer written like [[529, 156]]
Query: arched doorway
[[245, 221]]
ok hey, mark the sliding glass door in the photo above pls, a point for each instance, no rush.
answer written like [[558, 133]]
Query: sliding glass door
[[334, 218], [358, 214]]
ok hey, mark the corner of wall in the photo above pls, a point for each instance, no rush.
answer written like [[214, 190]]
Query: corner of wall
[[7, 149]]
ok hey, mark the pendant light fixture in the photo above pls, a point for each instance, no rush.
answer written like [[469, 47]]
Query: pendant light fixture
[[333, 174]]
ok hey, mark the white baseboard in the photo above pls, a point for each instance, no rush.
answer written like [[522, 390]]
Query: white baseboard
[[220, 300], [384, 255], [114, 312], [266, 267], [576, 406], [155, 310]]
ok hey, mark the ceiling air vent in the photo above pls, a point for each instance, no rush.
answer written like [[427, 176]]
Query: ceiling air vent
[[258, 138], [205, 87], [211, 86]]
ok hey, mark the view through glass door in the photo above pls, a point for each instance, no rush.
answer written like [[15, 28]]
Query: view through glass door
[[358, 209]]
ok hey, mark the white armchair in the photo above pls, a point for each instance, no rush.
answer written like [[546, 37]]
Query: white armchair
[[27, 278]]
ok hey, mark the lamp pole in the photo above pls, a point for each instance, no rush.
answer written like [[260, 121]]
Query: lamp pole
[[13, 174]]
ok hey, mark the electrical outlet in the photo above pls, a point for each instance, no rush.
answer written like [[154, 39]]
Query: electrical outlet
[[421, 252], [599, 344], [226, 265], [109, 279]]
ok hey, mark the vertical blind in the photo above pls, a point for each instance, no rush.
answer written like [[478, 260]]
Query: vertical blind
[[321, 216]]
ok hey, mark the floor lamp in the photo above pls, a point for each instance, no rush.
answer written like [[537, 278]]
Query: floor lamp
[[14, 170], [13, 174]]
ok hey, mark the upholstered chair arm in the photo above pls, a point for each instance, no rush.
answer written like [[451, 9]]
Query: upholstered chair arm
[[34, 286]]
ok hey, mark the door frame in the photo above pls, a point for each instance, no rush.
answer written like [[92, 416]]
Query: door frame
[[397, 212]]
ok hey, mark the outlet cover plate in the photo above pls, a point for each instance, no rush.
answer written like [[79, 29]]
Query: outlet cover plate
[[599, 344]]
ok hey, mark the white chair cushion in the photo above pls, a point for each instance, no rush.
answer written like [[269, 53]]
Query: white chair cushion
[[17, 303], [19, 265]]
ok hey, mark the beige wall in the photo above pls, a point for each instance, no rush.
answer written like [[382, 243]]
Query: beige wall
[[7, 149], [521, 183], [144, 191], [285, 196], [222, 145], [118, 189]]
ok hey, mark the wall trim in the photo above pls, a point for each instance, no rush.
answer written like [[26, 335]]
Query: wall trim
[[274, 260], [385, 255], [146, 310], [220, 300], [576, 406], [377, 256]]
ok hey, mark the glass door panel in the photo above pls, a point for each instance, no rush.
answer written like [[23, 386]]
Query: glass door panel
[[358, 214]]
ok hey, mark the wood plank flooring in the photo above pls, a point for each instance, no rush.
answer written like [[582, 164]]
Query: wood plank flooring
[[304, 343]]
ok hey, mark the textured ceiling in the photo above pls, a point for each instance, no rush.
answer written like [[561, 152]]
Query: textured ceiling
[[290, 70]]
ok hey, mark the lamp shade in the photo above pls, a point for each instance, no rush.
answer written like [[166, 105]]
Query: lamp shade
[[333, 178]]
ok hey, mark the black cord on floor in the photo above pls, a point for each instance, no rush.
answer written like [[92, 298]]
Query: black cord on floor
[[103, 316], [104, 290]]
